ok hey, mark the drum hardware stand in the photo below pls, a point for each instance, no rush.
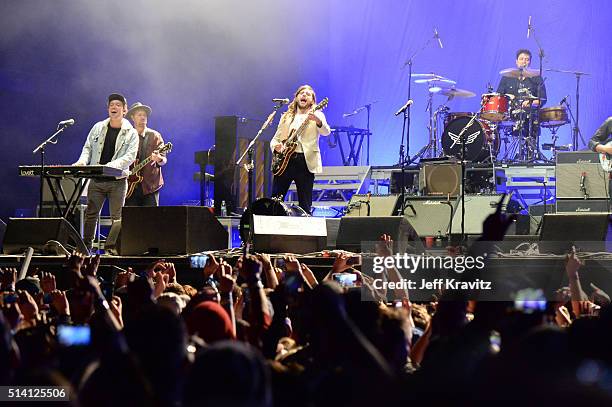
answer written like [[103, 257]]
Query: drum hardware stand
[[575, 130], [250, 165], [535, 134], [41, 148], [406, 123]]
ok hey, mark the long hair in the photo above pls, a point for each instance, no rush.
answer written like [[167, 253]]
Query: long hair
[[290, 113]]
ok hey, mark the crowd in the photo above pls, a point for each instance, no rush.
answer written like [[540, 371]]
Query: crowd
[[258, 335]]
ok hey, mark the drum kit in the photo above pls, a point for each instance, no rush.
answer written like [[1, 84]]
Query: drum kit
[[501, 118]]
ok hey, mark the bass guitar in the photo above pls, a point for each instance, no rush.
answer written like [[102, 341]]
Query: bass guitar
[[135, 178], [280, 160]]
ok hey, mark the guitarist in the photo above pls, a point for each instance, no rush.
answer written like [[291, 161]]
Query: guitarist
[[146, 192], [306, 161], [598, 142]]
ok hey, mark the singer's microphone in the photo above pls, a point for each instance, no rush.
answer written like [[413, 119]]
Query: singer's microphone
[[529, 27], [281, 101], [582, 178], [403, 108], [564, 100], [68, 122], [437, 37]]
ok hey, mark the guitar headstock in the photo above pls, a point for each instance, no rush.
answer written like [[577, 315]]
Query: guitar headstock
[[321, 105], [166, 148]]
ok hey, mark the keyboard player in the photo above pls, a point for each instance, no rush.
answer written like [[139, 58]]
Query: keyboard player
[[112, 142]]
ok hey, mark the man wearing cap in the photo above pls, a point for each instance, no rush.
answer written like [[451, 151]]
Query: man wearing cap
[[146, 192], [112, 142]]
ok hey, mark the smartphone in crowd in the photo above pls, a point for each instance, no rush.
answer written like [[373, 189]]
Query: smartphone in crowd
[[354, 260], [346, 280], [74, 335], [198, 261]]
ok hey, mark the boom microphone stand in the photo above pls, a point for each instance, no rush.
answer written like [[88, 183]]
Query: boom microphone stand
[[406, 122], [41, 148]]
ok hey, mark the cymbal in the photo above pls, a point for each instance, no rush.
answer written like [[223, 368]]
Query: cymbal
[[432, 81], [452, 92], [519, 72]]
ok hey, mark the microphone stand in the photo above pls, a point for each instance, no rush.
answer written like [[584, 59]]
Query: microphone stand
[[462, 190], [250, 165], [406, 127], [537, 153], [41, 148]]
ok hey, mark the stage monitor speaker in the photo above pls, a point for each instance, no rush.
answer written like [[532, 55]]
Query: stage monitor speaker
[[572, 167], [170, 230], [289, 234], [22, 233], [333, 225], [429, 216], [477, 209], [561, 231], [112, 245], [380, 205], [440, 179], [355, 231]]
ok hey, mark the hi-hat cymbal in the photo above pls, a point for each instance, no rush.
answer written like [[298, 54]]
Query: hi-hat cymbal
[[519, 73], [452, 92], [431, 77]]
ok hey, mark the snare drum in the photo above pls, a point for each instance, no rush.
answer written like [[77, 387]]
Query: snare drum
[[553, 116], [494, 107], [479, 137]]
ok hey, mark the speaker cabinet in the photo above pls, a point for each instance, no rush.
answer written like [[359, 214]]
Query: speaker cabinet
[[355, 231], [429, 216], [561, 231], [380, 205], [440, 179], [572, 167], [289, 234], [22, 233], [477, 209], [170, 230], [232, 136]]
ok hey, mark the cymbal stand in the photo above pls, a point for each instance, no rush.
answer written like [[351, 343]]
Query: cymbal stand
[[535, 133], [431, 149], [575, 130]]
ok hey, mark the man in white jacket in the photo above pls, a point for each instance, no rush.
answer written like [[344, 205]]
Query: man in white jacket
[[306, 161], [112, 142]]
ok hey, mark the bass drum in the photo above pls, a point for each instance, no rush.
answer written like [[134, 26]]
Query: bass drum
[[450, 116], [479, 138], [267, 207]]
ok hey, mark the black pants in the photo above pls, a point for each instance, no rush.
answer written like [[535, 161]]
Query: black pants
[[138, 198], [297, 171]]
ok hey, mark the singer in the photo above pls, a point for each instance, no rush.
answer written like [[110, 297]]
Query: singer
[[306, 162], [146, 192], [112, 142]]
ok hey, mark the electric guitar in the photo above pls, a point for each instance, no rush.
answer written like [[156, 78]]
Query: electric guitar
[[135, 178], [605, 159], [280, 160]]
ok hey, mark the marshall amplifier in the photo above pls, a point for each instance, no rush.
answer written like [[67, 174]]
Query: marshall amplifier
[[583, 205], [580, 175]]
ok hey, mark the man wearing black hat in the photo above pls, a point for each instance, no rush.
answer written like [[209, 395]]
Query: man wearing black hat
[[146, 192], [112, 142]]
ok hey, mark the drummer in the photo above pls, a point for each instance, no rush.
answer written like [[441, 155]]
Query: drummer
[[527, 85]]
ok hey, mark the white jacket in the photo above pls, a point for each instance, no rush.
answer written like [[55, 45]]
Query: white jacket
[[309, 140]]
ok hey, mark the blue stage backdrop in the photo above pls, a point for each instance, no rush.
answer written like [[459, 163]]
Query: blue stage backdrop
[[192, 60]]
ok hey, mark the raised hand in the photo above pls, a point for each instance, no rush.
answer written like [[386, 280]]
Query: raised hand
[[91, 264], [60, 302], [340, 263], [211, 267], [8, 278], [226, 280], [384, 247], [27, 305], [75, 261], [47, 282], [160, 282], [495, 225]]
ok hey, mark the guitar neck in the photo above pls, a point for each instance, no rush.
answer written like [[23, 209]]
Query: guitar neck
[[141, 165]]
